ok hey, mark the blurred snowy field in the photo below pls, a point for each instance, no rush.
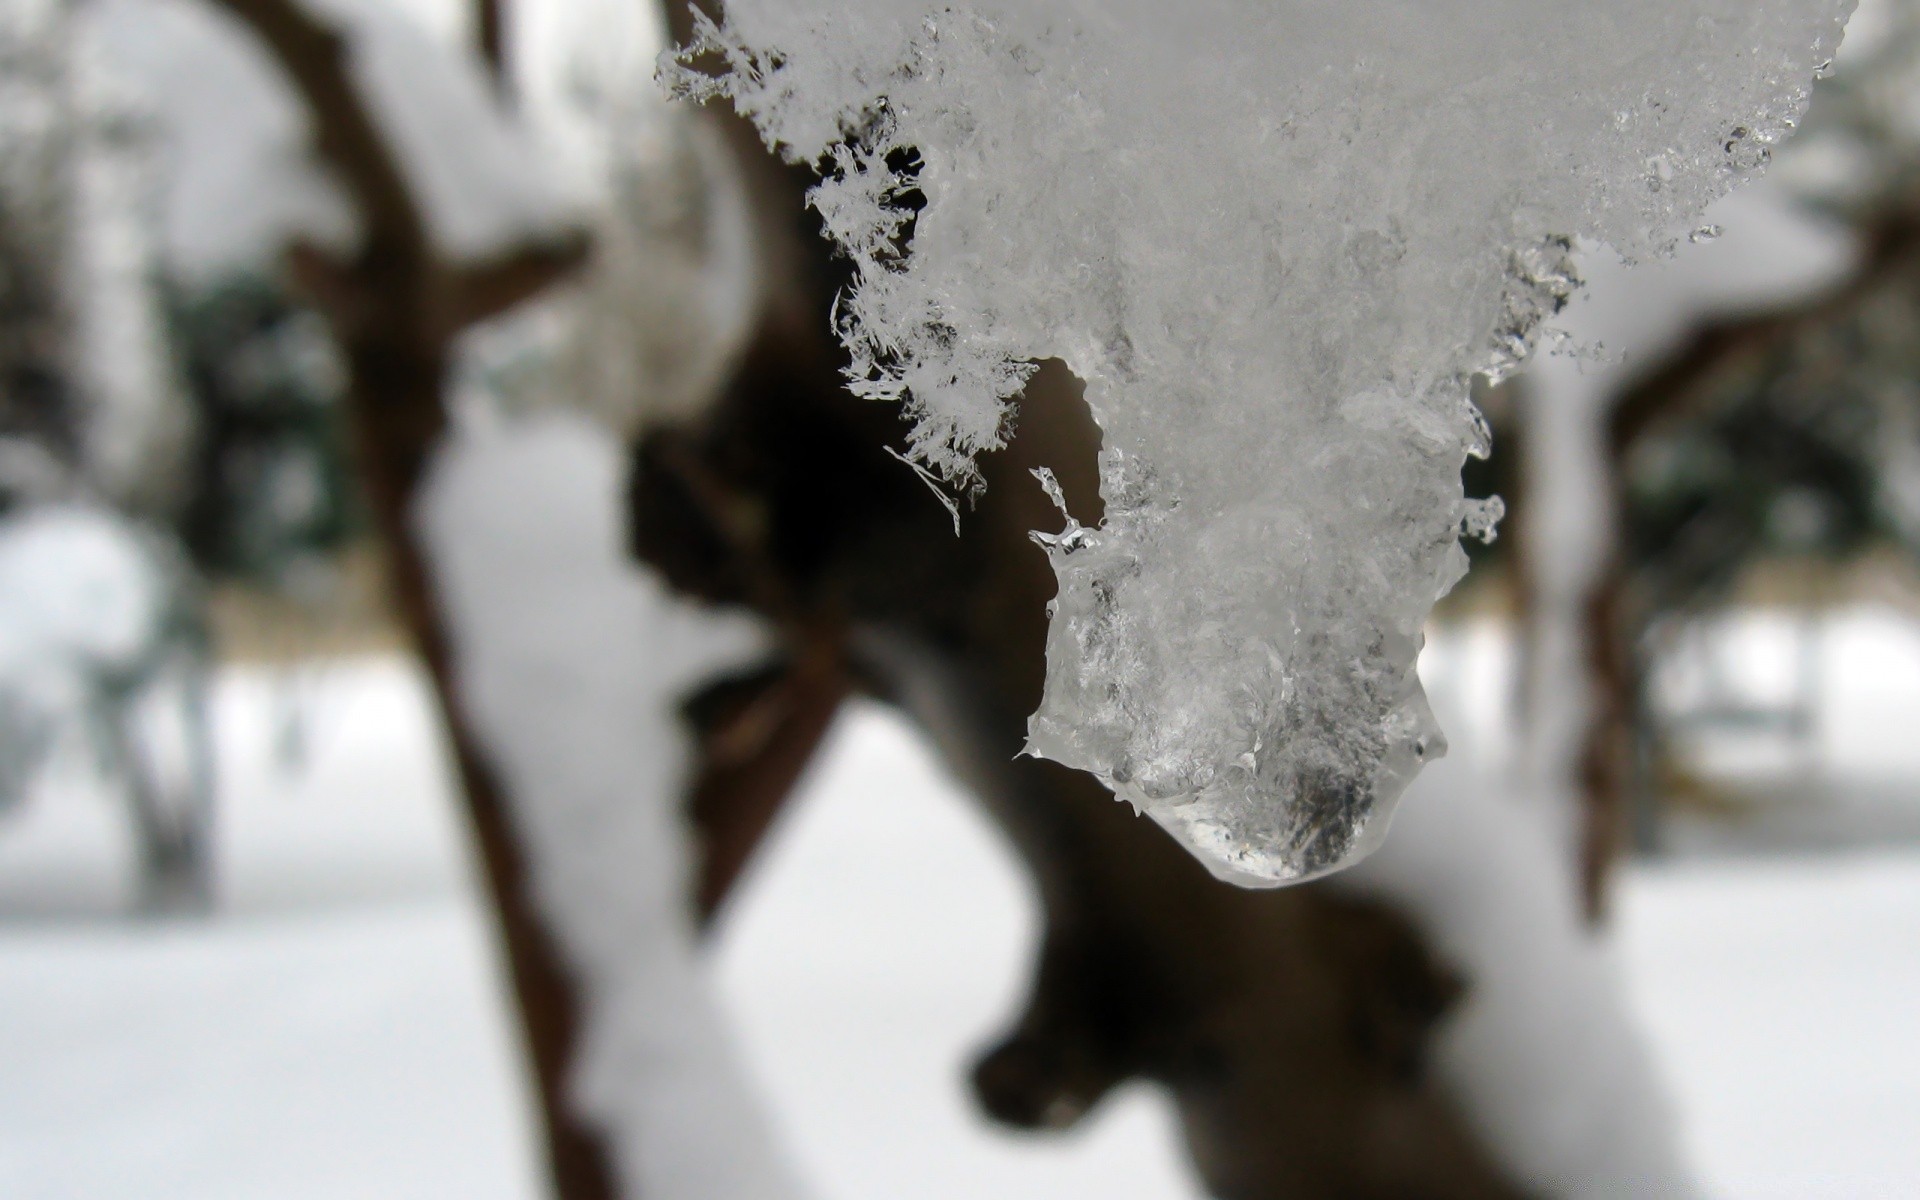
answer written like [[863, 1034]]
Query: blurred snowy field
[[336, 1030]]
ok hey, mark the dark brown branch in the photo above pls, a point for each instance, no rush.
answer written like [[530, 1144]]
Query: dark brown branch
[[487, 289], [1721, 350], [756, 736], [490, 27], [345, 135], [394, 308]]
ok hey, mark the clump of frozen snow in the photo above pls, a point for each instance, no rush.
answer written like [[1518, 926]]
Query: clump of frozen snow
[[1276, 240]]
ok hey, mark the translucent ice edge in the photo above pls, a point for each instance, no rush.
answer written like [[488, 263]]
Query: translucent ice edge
[[1276, 241]]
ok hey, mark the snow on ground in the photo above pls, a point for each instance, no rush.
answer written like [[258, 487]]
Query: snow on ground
[[885, 941], [1780, 997], [1852, 778], [344, 1052], [337, 1029], [364, 820]]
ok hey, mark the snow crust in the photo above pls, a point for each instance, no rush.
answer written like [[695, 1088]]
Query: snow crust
[[1276, 241]]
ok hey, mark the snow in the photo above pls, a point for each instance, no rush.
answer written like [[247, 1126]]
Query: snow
[[1847, 779], [332, 787], [346, 1037], [83, 608], [1780, 997], [884, 941], [1543, 1054], [80, 586], [653, 325], [236, 177], [1275, 241], [322, 1056], [571, 663], [239, 180], [345, 994]]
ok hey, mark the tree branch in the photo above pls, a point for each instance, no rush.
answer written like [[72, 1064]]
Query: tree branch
[[394, 308], [345, 135], [490, 24], [1719, 358]]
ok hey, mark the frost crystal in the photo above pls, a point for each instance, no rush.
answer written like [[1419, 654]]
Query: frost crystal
[[1276, 240]]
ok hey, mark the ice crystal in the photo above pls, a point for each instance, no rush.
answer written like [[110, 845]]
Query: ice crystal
[[1276, 240]]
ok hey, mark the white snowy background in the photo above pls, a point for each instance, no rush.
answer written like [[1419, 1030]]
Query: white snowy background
[[337, 1028]]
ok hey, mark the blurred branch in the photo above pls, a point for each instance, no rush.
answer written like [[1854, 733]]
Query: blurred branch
[[396, 248], [1724, 357], [394, 307], [1723, 350], [345, 136], [490, 24], [755, 734], [480, 291]]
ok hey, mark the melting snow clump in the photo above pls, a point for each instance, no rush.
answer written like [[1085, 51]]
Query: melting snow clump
[[1276, 240]]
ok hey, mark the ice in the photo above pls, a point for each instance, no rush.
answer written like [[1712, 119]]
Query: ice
[[1275, 241]]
